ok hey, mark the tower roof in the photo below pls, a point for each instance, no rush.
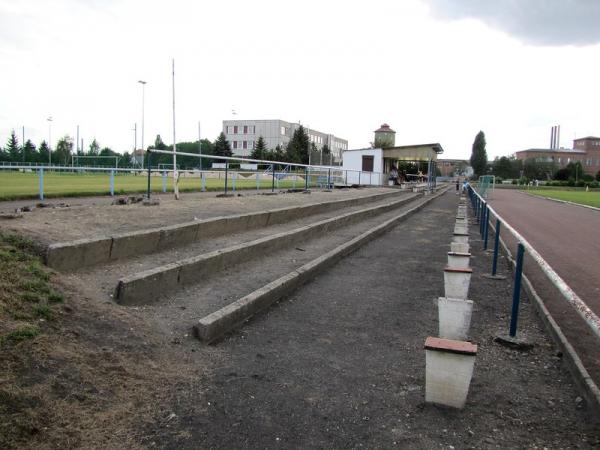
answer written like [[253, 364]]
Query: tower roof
[[384, 128]]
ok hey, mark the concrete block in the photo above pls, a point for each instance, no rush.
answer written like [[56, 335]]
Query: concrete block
[[217, 324], [458, 247], [134, 243], [461, 238], [210, 227], [454, 318], [177, 235], [449, 369], [77, 254], [459, 260], [461, 229], [147, 286], [456, 282]]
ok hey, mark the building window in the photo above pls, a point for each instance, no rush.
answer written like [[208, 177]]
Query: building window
[[245, 129], [234, 145], [283, 131], [251, 145], [235, 129], [367, 163], [245, 145], [252, 129]]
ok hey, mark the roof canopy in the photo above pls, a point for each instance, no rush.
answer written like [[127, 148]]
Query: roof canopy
[[420, 152]]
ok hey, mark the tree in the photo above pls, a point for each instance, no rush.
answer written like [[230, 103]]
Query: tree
[[327, 154], [259, 149], [29, 152], [12, 147], [64, 146], [506, 167], [222, 147], [159, 144], [297, 148], [94, 148], [479, 155], [538, 170], [44, 152]]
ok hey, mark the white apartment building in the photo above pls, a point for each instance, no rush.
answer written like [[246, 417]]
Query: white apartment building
[[243, 134]]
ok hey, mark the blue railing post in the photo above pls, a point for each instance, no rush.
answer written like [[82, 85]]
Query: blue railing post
[[306, 178], [517, 291], [496, 246], [257, 179], [329, 179], [482, 217], [149, 173], [41, 185], [226, 175], [485, 227], [164, 181], [112, 183], [273, 178]]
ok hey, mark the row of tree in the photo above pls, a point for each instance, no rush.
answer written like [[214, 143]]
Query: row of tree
[[297, 151], [509, 167]]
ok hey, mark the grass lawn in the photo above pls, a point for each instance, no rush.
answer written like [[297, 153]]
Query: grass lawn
[[582, 197], [15, 185]]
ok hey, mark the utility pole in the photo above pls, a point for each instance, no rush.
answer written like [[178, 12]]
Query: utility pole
[[175, 175]]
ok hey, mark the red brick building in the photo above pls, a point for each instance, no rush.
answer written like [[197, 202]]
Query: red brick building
[[585, 150], [591, 146]]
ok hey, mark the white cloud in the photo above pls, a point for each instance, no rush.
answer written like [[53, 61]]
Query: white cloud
[[342, 67]]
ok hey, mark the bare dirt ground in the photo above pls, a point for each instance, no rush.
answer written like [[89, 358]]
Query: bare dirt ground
[[338, 364], [566, 237], [91, 217]]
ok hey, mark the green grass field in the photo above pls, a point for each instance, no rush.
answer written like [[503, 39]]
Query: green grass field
[[582, 197], [17, 185]]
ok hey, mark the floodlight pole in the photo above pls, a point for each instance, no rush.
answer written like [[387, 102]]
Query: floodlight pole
[[49, 140], [175, 178], [143, 83]]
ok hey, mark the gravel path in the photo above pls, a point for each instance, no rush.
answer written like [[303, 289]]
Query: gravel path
[[340, 364]]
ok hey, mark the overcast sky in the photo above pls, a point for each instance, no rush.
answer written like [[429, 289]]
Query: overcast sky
[[435, 70]]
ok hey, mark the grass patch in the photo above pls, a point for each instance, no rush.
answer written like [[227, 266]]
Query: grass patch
[[580, 197], [26, 295], [18, 185], [22, 334]]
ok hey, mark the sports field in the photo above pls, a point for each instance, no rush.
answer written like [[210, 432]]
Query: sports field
[[582, 197], [16, 185]]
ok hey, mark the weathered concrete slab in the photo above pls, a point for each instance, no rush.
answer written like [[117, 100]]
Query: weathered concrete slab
[[80, 253], [134, 243], [215, 325], [151, 240], [147, 287], [194, 269]]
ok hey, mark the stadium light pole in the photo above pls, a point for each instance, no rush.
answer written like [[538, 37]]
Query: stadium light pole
[[49, 140], [143, 83]]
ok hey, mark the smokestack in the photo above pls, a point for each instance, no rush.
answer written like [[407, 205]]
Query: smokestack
[[558, 137], [552, 137]]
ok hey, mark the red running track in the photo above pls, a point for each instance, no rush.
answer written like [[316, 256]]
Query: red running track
[[568, 237]]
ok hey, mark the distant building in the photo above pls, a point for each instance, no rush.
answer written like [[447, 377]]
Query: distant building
[[243, 134], [561, 156], [454, 167], [585, 150]]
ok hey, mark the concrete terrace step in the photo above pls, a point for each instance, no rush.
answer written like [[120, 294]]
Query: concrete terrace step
[[88, 252], [215, 325], [144, 287]]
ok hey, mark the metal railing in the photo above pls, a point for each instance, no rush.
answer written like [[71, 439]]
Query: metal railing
[[292, 175], [483, 212]]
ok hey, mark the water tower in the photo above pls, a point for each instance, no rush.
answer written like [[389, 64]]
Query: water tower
[[384, 137]]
